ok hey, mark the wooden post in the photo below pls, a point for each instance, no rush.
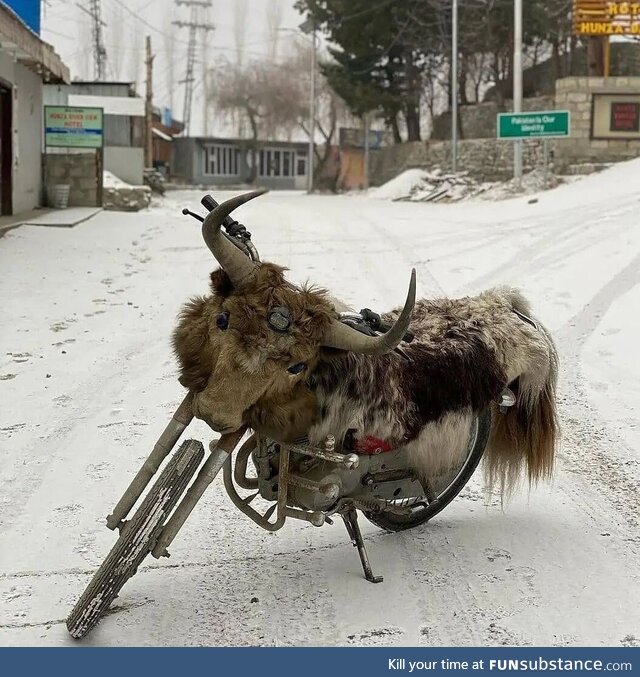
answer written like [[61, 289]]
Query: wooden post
[[148, 135], [607, 56], [597, 49]]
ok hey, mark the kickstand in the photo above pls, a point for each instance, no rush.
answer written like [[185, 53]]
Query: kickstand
[[350, 517]]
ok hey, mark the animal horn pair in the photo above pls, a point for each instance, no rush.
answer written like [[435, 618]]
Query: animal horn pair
[[341, 336], [238, 266], [240, 269]]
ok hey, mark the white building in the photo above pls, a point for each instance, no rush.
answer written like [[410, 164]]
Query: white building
[[26, 62]]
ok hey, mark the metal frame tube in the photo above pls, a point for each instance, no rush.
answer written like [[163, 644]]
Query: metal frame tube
[[176, 426], [219, 454]]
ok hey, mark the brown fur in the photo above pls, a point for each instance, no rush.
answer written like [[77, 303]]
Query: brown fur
[[465, 351], [526, 436], [240, 375]]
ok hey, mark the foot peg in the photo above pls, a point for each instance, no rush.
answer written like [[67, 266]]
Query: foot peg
[[350, 518]]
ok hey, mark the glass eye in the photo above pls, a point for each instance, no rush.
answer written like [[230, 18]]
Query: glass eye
[[222, 321], [297, 368]]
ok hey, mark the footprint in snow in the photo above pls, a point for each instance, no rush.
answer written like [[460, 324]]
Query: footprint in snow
[[492, 554]]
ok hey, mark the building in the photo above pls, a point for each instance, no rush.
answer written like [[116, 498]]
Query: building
[[209, 161], [26, 63], [123, 122], [163, 129]]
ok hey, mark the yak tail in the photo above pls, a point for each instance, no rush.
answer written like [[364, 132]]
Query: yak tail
[[526, 435]]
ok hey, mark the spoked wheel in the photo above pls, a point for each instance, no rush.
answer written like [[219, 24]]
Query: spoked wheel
[[136, 540], [444, 490]]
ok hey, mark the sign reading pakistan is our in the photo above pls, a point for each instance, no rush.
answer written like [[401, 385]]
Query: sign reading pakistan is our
[[73, 127], [533, 124]]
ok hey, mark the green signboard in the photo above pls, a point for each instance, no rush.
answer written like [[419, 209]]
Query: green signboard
[[534, 124], [73, 127]]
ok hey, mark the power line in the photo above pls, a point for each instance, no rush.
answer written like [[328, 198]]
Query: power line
[[194, 25], [99, 50]]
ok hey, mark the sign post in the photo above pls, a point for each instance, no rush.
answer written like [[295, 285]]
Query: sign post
[[76, 127], [533, 125]]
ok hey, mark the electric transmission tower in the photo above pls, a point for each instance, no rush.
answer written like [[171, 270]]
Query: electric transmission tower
[[194, 26], [99, 50]]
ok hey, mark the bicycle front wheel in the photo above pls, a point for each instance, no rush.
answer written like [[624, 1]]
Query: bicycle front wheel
[[137, 539]]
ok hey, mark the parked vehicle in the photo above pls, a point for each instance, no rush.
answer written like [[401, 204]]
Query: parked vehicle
[[345, 412]]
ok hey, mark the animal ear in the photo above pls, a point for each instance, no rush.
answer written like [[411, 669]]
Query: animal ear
[[221, 283]]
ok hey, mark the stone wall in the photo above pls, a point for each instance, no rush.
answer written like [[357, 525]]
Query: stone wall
[[79, 171], [575, 94], [488, 159], [483, 159], [478, 121]]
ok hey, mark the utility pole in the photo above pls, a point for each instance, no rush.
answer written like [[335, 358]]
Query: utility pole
[[454, 88], [517, 85], [99, 50], [367, 125], [309, 27], [193, 25], [148, 110]]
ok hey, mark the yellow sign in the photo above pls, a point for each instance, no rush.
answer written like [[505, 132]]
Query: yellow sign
[[595, 17]]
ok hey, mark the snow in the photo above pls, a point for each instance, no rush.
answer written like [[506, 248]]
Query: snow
[[400, 186], [110, 180], [88, 382], [419, 185]]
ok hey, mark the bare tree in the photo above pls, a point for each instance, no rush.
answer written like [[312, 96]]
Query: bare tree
[[273, 101], [273, 23]]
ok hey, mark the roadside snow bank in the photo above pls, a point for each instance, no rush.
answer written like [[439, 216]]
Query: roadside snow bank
[[399, 187], [120, 196], [110, 180]]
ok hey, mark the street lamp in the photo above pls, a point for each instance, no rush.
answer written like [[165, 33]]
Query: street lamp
[[309, 27], [517, 85], [454, 88]]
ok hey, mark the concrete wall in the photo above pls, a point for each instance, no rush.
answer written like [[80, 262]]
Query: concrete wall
[[126, 163], [27, 117], [576, 95], [79, 171], [182, 159]]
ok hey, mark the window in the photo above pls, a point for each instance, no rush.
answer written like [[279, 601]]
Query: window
[[301, 168], [221, 160], [277, 162]]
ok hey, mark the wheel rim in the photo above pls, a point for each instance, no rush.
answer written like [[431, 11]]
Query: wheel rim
[[422, 507]]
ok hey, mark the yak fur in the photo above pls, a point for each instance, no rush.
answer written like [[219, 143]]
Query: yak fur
[[465, 352]]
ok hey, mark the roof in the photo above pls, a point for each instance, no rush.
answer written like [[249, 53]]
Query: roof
[[262, 143], [161, 135], [29, 49]]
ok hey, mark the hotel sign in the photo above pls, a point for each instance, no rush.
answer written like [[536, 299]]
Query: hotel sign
[[595, 17], [73, 127]]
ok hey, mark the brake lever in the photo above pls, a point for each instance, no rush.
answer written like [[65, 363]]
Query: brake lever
[[188, 212]]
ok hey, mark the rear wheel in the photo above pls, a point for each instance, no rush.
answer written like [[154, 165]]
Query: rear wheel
[[425, 507], [136, 540]]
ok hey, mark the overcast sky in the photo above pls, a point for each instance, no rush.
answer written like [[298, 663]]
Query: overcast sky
[[68, 28]]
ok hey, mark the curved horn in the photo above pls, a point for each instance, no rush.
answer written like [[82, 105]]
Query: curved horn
[[237, 265], [341, 336]]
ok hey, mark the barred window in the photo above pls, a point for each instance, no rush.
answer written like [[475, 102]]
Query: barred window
[[221, 160], [277, 162]]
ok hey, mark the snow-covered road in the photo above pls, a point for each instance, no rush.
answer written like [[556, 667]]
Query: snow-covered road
[[87, 381]]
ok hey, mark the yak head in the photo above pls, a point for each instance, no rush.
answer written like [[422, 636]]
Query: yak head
[[246, 351]]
